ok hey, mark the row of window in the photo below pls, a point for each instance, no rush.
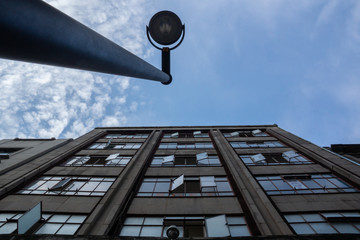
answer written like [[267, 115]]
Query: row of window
[[325, 222], [80, 186], [128, 136], [185, 187], [190, 134], [258, 144], [201, 159], [195, 134], [113, 160], [110, 145], [304, 184], [58, 224], [289, 157], [254, 133], [190, 227], [202, 145], [188, 186]]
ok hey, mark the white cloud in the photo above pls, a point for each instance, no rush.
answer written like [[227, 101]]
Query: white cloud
[[44, 101], [327, 11]]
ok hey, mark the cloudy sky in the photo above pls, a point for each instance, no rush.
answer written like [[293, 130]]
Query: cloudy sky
[[293, 63]]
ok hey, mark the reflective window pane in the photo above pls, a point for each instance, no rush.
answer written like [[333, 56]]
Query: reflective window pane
[[76, 219], [235, 220], [345, 228], [8, 228], [151, 231], [59, 218], [68, 229], [322, 228], [130, 231], [313, 217], [237, 231], [153, 221], [4, 216], [302, 228], [134, 220], [48, 228]]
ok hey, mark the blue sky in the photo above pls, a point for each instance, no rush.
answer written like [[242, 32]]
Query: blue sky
[[293, 63]]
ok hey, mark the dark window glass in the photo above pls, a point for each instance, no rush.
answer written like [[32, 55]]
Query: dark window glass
[[296, 184]]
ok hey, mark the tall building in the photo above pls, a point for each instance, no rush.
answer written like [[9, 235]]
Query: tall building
[[256, 182]]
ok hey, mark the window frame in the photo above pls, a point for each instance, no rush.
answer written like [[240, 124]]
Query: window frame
[[77, 186], [294, 184], [272, 159], [257, 144], [46, 219], [183, 223], [189, 161], [185, 146], [160, 187], [310, 222], [97, 161]]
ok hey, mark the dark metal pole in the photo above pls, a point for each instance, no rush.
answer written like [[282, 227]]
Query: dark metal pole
[[33, 31]]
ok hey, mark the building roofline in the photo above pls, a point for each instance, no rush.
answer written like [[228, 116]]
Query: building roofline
[[194, 126]]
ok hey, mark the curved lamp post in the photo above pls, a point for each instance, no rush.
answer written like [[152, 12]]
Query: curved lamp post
[[165, 28], [34, 31]]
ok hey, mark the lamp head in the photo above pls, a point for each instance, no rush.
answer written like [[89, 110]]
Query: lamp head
[[165, 27], [172, 232]]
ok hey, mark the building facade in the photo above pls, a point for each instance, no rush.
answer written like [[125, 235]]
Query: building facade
[[250, 182]]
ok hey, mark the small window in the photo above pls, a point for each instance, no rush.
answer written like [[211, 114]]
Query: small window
[[258, 158], [174, 135], [234, 134], [197, 133], [61, 185], [201, 156], [177, 183], [258, 133], [168, 159]]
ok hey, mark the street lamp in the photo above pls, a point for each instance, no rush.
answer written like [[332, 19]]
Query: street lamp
[[165, 28], [33, 31]]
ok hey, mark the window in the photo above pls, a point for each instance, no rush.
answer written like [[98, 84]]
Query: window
[[191, 187], [274, 159], [114, 160], [245, 133], [87, 186], [118, 135], [202, 145], [304, 184], [6, 152], [64, 224], [185, 160], [264, 144], [325, 223], [115, 145], [189, 226], [195, 134]]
